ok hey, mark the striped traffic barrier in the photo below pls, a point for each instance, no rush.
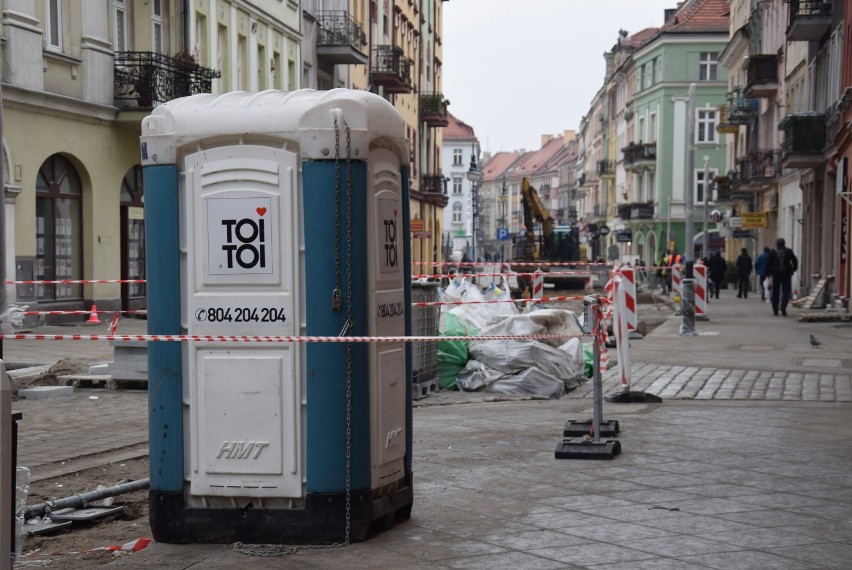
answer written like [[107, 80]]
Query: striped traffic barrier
[[700, 272], [677, 286], [538, 285], [628, 286]]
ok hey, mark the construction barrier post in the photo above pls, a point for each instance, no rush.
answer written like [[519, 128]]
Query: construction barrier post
[[582, 447], [628, 286], [700, 272]]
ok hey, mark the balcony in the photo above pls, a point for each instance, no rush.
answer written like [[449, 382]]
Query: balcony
[[606, 168], [762, 76], [640, 157], [391, 69], [758, 169], [804, 140], [636, 211], [340, 38], [433, 110], [432, 184], [144, 79], [809, 20], [725, 186]]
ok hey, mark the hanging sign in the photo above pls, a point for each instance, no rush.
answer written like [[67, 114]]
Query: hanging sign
[[754, 220]]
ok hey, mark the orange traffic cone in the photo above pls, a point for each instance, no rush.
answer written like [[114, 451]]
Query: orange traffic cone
[[93, 316]]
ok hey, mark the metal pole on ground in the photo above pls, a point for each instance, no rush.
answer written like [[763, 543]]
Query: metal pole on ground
[[7, 471], [687, 304], [585, 447]]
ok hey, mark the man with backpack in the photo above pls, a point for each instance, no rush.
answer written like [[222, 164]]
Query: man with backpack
[[781, 264]]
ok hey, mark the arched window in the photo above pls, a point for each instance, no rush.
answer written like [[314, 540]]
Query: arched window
[[132, 239], [59, 228]]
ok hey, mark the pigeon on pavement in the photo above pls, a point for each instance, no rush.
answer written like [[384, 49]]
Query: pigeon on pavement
[[815, 343]]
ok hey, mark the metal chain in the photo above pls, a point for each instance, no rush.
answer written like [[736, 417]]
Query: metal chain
[[280, 550], [336, 300], [349, 322]]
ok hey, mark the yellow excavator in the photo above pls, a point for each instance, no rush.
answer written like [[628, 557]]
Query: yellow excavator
[[546, 243]]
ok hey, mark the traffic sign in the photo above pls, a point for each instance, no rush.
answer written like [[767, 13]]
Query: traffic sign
[[502, 234]]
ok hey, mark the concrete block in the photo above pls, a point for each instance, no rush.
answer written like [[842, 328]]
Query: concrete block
[[46, 392]]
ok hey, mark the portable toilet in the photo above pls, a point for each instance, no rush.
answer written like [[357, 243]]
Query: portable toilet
[[273, 215]]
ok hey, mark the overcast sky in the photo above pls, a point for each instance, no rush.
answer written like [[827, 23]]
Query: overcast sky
[[515, 70]]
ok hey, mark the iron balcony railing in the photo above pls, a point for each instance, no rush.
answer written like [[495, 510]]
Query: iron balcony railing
[[606, 167], [759, 167], [809, 20], [762, 75], [432, 183], [634, 153], [804, 133], [433, 110], [336, 28], [143, 79], [391, 69]]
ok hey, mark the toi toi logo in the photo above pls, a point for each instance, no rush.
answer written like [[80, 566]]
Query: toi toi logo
[[245, 242]]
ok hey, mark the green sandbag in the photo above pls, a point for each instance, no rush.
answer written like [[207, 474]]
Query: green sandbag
[[452, 354], [588, 360]]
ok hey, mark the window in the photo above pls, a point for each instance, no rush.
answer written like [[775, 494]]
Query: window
[[457, 213], [652, 186], [707, 65], [157, 26], [119, 41], [700, 185], [58, 228], [652, 127], [53, 24], [457, 184], [654, 65], [705, 131], [132, 238], [458, 157]]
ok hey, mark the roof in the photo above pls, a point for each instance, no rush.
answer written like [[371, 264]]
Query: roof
[[532, 161], [499, 164], [458, 130], [699, 17], [638, 39]]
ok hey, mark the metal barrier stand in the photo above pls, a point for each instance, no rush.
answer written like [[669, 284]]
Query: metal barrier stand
[[586, 447]]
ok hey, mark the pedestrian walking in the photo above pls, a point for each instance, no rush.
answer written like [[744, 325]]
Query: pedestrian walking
[[760, 269], [744, 265], [781, 264], [716, 266], [663, 273]]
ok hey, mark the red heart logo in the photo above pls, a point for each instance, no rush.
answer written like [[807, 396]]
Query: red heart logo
[[261, 211]]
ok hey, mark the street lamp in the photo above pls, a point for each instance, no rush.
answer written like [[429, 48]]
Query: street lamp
[[504, 198], [706, 211], [474, 174]]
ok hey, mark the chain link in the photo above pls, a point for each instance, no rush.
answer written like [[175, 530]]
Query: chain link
[[336, 300]]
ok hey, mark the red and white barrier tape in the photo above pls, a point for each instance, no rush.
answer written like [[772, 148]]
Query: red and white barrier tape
[[74, 281], [515, 263], [279, 339], [527, 274], [83, 312], [528, 300]]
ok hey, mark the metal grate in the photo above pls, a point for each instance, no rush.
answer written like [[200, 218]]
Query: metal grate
[[424, 322]]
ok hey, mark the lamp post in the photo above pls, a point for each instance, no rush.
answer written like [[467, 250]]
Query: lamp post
[[706, 211], [474, 175], [504, 197]]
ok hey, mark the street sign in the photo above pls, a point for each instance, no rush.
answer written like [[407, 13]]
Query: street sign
[[754, 220], [742, 233], [503, 234], [735, 222]]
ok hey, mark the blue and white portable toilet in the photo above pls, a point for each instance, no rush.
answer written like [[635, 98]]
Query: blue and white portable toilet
[[277, 214]]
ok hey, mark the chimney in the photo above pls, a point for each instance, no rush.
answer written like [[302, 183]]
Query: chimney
[[569, 135], [546, 139], [668, 13]]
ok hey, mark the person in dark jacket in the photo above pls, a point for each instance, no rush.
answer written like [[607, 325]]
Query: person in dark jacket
[[760, 269], [744, 265], [716, 266], [781, 264]]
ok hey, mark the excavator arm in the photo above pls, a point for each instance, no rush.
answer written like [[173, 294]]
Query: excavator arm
[[534, 209]]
